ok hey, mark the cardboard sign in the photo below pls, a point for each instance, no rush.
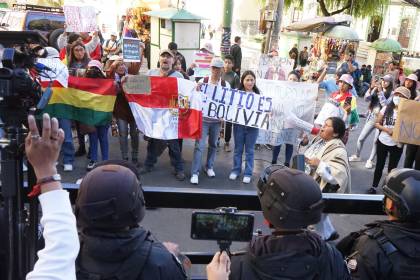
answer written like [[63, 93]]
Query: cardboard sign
[[131, 50], [80, 19], [407, 125], [202, 60]]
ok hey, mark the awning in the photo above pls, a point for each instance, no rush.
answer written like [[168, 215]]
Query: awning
[[387, 45], [342, 32]]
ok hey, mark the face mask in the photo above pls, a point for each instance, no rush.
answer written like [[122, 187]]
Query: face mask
[[396, 100]]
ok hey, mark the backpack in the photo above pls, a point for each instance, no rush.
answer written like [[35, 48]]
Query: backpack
[[222, 82]]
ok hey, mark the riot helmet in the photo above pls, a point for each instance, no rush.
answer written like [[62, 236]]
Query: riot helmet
[[402, 186], [110, 198], [290, 199]]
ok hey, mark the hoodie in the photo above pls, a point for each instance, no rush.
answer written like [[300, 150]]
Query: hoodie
[[297, 255], [132, 254]]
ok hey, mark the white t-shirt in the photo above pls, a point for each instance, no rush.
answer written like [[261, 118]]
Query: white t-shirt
[[384, 137]]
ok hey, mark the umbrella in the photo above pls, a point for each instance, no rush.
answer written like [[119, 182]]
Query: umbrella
[[386, 45], [342, 32]]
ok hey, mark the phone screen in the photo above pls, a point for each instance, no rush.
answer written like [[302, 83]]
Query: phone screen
[[348, 100], [222, 226]]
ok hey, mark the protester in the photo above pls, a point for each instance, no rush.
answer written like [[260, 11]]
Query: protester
[[210, 128], [392, 69], [121, 25], [178, 67], [245, 136], [111, 47], [327, 162], [124, 117], [386, 145], [233, 79], [109, 207], [155, 147], [379, 95], [293, 76], [303, 57], [294, 54], [389, 249], [331, 85], [100, 132], [172, 46], [290, 201], [236, 53], [92, 43], [78, 59], [57, 259], [350, 66]]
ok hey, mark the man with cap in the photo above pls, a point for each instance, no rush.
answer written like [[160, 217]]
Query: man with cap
[[155, 147], [211, 127], [111, 47], [109, 207], [389, 249], [290, 200], [172, 46]]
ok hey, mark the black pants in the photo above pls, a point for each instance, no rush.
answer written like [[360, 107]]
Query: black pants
[[412, 153], [381, 155], [228, 131], [155, 148]]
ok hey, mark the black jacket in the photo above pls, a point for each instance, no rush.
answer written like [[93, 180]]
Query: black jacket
[[296, 256], [397, 258], [236, 52], [121, 255]]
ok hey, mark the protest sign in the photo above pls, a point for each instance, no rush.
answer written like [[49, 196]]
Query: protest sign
[[202, 60], [407, 125], [265, 111], [297, 98], [272, 67], [131, 50], [80, 19]]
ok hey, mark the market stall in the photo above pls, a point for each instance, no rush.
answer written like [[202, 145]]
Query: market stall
[[382, 52]]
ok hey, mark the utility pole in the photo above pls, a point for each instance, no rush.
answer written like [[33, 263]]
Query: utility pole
[[277, 23], [227, 27], [269, 18]]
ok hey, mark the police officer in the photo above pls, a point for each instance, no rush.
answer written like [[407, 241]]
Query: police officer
[[389, 249], [290, 200], [109, 207]]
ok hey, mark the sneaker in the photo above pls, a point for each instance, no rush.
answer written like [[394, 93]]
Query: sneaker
[[354, 158], [210, 173], [80, 152], [180, 176], [227, 147], [246, 180], [371, 191], [194, 179], [91, 165], [233, 176], [369, 164], [68, 167]]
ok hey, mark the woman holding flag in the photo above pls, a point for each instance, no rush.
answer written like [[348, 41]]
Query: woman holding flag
[[245, 136]]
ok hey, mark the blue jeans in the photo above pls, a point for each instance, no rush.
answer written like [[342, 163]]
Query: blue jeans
[[244, 136], [212, 130], [155, 148], [100, 134], [289, 153], [134, 135], [68, 148]]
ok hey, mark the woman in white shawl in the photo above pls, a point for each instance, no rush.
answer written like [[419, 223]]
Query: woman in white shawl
[[327, 161]]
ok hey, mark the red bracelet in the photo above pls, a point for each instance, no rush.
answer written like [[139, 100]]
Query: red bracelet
[[36, 190]]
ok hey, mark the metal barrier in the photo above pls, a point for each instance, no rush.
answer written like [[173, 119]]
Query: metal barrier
[[197, 198]]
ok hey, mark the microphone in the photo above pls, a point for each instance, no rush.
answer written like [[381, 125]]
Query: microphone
[[45, 98], [41, 67]]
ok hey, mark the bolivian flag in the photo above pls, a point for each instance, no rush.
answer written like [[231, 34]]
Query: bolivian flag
[[90, 101]]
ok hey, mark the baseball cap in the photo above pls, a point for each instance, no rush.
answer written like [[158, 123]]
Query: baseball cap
[[217, 62], [208, 46], [404, 91], [114, 34], [95, 63], [387, 78], [166, 51], [290, 199]]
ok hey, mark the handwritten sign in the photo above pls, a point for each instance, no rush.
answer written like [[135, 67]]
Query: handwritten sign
[[202, 60], [137, 84], [80, 19], [407, 125], [297, 98], [131, 50]]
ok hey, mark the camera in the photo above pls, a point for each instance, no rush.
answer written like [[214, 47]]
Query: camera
[[223, 224]]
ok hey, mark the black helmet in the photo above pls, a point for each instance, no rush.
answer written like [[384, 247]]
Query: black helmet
[[110, 198], [402, 186], [290, 199]]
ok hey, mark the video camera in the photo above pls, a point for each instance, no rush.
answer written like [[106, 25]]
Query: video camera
[[224, 225]]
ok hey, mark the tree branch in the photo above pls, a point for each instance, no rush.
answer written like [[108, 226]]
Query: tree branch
[[326, 13]]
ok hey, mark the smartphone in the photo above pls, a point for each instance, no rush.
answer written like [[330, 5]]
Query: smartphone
[[222, 226], [348, 100]]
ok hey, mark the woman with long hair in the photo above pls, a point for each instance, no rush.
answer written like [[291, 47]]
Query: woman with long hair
[[379, 95], [385, 144], [245, 136], [78, 59]]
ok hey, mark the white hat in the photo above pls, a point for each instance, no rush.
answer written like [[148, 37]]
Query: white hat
[[348, 79], [52, 52], [217, 62], [208, 46]]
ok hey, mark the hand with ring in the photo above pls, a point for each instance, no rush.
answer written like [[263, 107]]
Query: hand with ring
[[43, 150]]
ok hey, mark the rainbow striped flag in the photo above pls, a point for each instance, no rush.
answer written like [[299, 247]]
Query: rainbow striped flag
[[90, 101]]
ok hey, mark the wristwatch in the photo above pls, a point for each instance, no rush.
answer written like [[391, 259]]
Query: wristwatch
[[49, 179]]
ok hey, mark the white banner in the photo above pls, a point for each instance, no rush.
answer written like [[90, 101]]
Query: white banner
[[80, 18], [269, 67], [266, 110]]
